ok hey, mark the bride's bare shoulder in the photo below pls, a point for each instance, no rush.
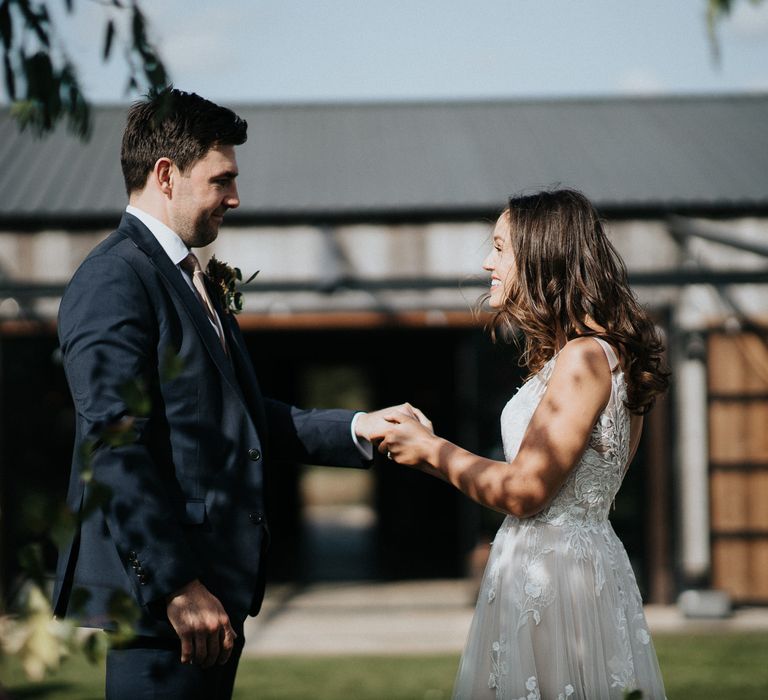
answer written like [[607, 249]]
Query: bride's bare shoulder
[[582, 363]]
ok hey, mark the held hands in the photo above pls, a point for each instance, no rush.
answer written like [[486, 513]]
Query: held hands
[[407, 438], [202, 625], [371, 426]]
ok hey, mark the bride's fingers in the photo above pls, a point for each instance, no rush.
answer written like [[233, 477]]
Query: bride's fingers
[[423, 419]]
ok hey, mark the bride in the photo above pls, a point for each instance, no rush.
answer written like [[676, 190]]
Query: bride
[[559, 615]]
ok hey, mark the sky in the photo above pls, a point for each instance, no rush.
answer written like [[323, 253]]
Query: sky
[[245, 51]]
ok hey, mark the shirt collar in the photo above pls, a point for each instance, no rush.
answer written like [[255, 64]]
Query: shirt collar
[[169, 240]]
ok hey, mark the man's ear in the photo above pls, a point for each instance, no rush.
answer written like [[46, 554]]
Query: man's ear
[[163, 175]]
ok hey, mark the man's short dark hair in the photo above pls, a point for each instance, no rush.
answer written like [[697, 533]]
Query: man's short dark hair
[[178, 125]]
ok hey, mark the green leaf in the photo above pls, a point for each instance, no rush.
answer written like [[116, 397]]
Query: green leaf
[[63, 526], [38, 70], [97, 495], [74, 104], [78, 600], [120, 433], [36, 510], [10, 80], [136, 397], [171, 366], [42, 92], [35, 20], [123, 609], [108, 39], [138, 29], [31, 561], [6, 28], [95, 647]]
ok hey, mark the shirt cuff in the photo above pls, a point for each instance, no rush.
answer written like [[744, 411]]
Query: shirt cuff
[[364, 446]]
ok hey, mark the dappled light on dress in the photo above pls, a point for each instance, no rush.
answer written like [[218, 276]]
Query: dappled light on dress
[[559, 613]]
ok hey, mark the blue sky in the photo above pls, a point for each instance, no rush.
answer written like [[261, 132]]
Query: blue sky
[[358, 50]]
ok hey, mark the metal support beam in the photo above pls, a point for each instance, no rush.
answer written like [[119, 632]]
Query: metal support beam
[[678, 277], [685, 228]]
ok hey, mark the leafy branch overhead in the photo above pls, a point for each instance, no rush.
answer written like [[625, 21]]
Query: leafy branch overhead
[[717, 11], [41, 80]]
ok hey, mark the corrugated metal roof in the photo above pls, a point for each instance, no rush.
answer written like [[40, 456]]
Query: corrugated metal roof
[[430, 159]]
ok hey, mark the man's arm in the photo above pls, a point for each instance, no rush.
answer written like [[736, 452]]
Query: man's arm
[[109, 340], [324, 436]]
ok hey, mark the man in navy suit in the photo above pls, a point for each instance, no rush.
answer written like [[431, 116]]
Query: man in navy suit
[[182, 529]]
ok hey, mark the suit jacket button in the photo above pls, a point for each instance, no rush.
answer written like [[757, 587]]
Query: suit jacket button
[[254, 454], [256, 518]]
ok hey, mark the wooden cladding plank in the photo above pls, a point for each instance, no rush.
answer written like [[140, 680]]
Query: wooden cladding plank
[[737, 368], [729, 496], [758, 499], [758, 551], [739, 501], [738, 432], [740, 567], [737, 363], [757, 421], [730, 568]]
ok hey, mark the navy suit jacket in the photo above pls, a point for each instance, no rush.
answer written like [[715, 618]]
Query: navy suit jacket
[[184, 492]]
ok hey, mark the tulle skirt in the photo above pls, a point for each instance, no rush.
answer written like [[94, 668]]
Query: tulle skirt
[[559, 617]]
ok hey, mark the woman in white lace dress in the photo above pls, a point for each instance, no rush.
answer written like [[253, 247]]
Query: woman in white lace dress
[[559, 616]]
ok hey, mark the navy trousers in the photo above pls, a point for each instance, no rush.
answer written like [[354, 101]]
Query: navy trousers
[[149, 669]]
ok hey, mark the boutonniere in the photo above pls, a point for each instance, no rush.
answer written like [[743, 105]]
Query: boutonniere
[[226, 280]]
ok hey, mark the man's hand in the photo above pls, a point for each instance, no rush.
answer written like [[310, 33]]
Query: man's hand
[[202, 624], [407, 440], [372, 426]]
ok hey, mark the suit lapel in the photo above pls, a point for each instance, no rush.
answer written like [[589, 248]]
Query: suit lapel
[[146, 242], [244, 370]]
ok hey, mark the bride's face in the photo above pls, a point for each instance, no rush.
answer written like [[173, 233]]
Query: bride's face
[[500, 263]]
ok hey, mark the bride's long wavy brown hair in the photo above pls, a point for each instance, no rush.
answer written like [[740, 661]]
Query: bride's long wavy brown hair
[[567, 271]]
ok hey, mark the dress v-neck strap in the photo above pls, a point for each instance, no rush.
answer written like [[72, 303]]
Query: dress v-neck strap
[[613, 361]]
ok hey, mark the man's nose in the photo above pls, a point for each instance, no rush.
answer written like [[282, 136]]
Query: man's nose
[[233, 198]]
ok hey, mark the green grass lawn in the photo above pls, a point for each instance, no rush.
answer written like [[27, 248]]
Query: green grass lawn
[[721, 666]]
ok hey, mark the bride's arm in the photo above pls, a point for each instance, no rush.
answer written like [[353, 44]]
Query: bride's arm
[[554, 441]]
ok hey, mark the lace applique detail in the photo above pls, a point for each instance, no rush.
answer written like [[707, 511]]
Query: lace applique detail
[[586, 496], [538, 591], [534, 693], [498, 667], [493, 578]]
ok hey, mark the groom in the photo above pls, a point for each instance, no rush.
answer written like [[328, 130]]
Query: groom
[[171, 423]]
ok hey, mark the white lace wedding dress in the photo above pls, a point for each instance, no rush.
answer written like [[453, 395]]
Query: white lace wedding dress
[[559, 615]]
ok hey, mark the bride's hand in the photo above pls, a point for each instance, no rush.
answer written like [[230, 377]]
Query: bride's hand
[[408, 440]]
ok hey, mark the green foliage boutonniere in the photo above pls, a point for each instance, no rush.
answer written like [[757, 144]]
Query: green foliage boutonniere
[[225, 281]]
